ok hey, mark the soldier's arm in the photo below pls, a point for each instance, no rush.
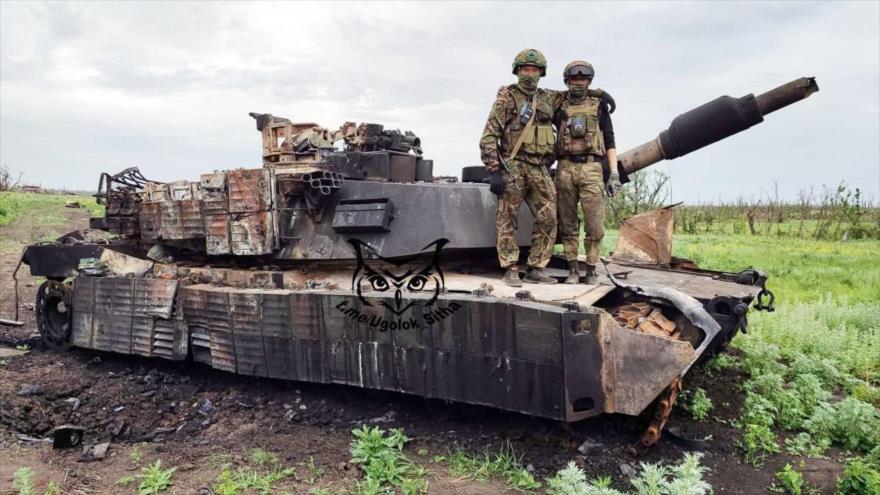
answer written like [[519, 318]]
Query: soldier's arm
[[492, 133], [555, 97], [607, 100], [607, 128]]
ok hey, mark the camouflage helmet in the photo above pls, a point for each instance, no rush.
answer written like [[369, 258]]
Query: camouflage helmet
[[578, 68], [530, 56]]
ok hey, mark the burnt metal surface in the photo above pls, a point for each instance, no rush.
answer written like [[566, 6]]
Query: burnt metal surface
[[480, 354], [646, 237], [119, 195], [129, 316], [692, 309], [527, 356], [57, 261], [702, 286]]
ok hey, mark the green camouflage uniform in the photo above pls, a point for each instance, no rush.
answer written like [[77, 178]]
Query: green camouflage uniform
[[529, 178], [579, 176]]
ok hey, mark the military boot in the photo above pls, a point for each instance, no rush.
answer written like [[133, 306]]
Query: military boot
[[591, 277], [537, 276], [574, 274], [511, 278]]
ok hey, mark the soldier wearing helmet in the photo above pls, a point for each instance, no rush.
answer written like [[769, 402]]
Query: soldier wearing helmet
[[585, 139], [517, 146]]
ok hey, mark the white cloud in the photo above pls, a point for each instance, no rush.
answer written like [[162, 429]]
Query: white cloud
[[86, 87]]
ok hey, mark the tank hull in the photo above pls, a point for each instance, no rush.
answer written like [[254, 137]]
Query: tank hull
[[557, 352]]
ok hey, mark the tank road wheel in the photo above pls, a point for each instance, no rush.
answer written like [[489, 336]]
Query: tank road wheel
[[53, 314]]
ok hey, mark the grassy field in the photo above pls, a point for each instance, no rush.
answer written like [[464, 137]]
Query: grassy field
[[814, 364], [47, 211], [48, 207]]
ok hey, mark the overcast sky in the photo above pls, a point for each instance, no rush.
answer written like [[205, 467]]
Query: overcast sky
[[99, 86]]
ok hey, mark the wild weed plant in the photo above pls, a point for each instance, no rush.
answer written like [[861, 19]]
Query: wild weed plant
[[380, 456], [700, 405], [684, 478], [154, 479], [260, 476]]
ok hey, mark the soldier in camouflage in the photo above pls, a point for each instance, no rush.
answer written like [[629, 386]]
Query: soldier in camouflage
[[585, 139], [517, 146]]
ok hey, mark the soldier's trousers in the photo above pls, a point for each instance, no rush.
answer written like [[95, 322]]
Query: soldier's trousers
[[580, 183], [532, 184]]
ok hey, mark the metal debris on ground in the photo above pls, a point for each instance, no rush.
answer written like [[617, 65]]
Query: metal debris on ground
[[95, 452], [206, 408], [28, 389], [589, 446], [67, 436], [74, 403]]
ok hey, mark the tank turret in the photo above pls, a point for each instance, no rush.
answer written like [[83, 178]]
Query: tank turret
[[711, 122]]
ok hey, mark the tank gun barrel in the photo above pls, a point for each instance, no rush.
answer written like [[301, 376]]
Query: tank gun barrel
[[713, 121]]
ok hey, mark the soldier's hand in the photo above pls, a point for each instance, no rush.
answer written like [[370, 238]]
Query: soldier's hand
[[613, 184], [608, 101], [496, 182]]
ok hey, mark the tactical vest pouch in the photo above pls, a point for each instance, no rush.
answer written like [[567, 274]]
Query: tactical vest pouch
[[527, 135], [593, 123], [525, 113], [580, 133], [545, 112], [577, 125], [572, 145], [541, 136]]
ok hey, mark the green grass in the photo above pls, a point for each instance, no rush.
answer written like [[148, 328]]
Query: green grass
[[861, 476], [47, 208], [791, 481], [504, 464], [261, 475], [814, 364], [47, 213], [699, 405], [23, 481], [23, 484], [799, 270], [154, 479]]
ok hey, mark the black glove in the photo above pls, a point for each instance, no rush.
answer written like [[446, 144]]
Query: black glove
[[606, 99], [496, 182]]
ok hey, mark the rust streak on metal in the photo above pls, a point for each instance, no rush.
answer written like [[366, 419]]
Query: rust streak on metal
[[661, 414]]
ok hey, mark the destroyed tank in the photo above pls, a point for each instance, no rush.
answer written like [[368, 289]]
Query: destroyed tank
[[343, 259]]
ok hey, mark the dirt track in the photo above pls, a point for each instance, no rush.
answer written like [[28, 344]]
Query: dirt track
[[197, 418]]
